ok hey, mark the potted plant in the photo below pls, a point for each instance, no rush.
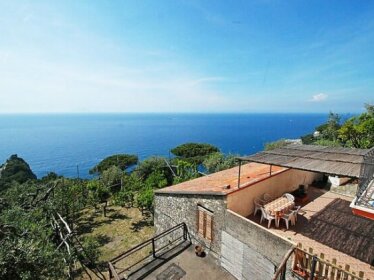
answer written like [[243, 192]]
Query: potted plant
[[199, 251]]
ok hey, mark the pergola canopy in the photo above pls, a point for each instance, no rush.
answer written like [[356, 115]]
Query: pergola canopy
[[344, 162]]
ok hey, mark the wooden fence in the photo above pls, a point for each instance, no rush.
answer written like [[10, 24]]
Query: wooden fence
[[309, 266]]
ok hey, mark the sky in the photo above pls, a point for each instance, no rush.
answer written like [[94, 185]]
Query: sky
[[186, 56]]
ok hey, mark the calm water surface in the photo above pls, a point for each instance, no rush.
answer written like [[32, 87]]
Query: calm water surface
[[61, 142]]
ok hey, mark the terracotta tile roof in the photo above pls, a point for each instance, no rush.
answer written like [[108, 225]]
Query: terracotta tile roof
[[215, 183]]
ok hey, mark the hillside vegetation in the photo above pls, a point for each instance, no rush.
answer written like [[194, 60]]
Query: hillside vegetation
[[355, 132], [56, 227]]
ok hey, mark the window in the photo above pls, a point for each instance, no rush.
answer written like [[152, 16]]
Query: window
[[205, 223]]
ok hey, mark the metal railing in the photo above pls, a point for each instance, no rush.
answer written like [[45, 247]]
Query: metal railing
[[154, 250], [366, 174], [280, 273]]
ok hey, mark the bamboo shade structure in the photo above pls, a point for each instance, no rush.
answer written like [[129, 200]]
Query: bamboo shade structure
[[334, 161]]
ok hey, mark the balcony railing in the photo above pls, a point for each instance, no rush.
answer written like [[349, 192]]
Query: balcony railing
[[366, 180], [147, 252]]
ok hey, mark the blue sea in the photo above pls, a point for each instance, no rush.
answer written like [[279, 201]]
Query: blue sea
[[69, 143]]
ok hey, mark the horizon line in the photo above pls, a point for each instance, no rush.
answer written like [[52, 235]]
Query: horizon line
[[171, 112]]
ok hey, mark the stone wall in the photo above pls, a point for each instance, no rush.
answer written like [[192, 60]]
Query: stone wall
[[273, 246], [172, 209], [244, 262], [250, 251]]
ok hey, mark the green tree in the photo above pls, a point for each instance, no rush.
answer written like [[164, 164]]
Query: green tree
[[328, 133], [145, 199], [131, 185], [276, 144], [185, 171], [68, 199], [218, 161], [156, 180], [51, 176], [27, 248], [194, 152], [132, 182], [151, 165], [330, 130], [112, 177], [15, 169], [358, 131], [91, 251], [27, 243], [122, 161], [98, 194], [30, 240], [124, 198]]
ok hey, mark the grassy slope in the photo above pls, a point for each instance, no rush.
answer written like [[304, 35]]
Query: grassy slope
[[119, 231]]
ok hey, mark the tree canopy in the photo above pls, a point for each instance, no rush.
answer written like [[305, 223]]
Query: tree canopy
[[276, 144], [194, 152], [357, 131], [122, 161], [218, 161], [15, 169], [31, 242], [151, 165]]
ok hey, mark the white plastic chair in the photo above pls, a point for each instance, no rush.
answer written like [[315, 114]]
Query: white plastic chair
[[266, 216], [258, 204], [296, 210], [289, 217], [289, 196]]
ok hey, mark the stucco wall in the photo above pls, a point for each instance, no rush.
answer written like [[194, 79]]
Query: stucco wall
[[172, 209], [241, 201]]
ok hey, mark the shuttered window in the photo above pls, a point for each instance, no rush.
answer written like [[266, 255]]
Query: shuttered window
[[205, 223]]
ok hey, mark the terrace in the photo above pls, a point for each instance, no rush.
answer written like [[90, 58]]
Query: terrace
[[326, 224], [168, 255]]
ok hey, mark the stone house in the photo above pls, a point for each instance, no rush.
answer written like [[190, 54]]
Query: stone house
[[218, 211], [203, 204]]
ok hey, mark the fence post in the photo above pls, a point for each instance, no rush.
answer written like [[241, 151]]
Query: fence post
[[110, 272], [184, 232], [313, 268], [283, 276], [153, 248]]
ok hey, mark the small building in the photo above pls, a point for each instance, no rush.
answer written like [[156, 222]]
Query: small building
[[218, 210]]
